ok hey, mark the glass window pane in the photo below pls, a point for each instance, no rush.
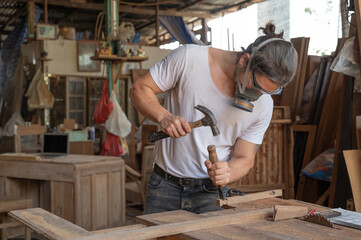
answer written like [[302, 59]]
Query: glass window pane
[[72, 103], [72, 116], [79, 88], [72, 87], [80, 103], [80, 118]]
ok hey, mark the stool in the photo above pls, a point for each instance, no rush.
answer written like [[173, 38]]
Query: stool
[[8, 203]]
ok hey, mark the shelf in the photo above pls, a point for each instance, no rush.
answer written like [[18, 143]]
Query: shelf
[[116, 59]]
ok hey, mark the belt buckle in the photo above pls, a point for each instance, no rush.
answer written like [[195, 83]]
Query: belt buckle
[[187, 182]]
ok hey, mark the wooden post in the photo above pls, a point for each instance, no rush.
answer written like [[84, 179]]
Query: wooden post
[[157, 23], [340, 189], [31, 7], [46, 11], [204, 31], [358, 22]]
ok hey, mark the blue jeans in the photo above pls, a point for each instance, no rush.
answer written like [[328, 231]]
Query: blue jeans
[[164, 195]]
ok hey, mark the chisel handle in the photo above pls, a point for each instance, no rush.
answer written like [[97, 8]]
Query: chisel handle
[[214, 158], [212, 154]]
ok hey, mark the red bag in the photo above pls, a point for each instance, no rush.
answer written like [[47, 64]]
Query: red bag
[[104, 106], [112, 146]]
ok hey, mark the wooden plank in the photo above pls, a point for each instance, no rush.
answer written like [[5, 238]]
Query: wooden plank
[[249, 197], [129, 227], [294, 228], [353, 163], [292, 94], [84, 218], [358, 131], [182, 227], [9, 203], [259, 187], [100, 198], [37, 170], [339, 181], [311, 129], [287, 212], [48, 225], [358, 24], [330, 112], [20, 156], [63, 200]]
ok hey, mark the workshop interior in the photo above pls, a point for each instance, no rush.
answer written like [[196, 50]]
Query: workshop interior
[[79, 150]]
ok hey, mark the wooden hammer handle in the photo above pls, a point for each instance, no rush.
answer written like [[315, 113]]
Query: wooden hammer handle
[[160, 135], [195, 124]]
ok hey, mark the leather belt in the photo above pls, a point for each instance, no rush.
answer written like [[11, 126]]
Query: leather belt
[[184, 182]]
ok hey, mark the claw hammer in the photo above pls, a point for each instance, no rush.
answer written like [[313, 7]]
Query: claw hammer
[[207, 120], [214, 158]]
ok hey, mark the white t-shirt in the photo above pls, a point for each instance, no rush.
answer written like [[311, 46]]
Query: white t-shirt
[[185, 76]]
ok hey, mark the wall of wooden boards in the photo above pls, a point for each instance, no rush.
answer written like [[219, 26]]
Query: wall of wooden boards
[[273, 166]]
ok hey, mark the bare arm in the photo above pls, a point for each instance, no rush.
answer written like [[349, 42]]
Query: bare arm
[[223, 173], [143, 95]]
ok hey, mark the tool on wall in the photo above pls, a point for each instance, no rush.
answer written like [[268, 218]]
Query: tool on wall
[[208, 120], [214, 158]]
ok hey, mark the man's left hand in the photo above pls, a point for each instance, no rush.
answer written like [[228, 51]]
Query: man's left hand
[[219, 172]]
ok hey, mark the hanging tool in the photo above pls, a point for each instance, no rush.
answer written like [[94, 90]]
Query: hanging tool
[[208, 120], [214, 158]]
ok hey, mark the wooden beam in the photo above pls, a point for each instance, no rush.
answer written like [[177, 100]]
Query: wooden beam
[[127, 9], [185, 226], [48, 224], [31, 28], [204, 31], [157, 23], [249, 197], [63, 3], [46, 11], [188, 5], [235, 6]]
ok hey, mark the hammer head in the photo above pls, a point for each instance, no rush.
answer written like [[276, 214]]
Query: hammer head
[[209, 119]]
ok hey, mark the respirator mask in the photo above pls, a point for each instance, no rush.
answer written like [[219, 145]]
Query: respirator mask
[[244, 95]]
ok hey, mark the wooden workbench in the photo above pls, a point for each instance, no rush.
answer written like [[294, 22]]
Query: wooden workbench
[[86, 190], [251, 220], [256, 229]]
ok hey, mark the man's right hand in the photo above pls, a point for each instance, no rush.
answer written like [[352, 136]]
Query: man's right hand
[[175, 126]]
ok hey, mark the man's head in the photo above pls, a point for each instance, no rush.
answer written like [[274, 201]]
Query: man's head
[[276, 60], [266, 66]]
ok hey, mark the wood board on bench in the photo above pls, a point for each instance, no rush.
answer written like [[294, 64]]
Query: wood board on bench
[[250, 220], [261, 229]]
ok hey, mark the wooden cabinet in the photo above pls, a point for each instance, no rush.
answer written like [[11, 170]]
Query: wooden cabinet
[[85, 190]]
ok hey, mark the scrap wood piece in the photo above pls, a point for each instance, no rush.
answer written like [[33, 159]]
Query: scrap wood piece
[[183, 227], [287, 212], [353, 164], [319, 219], [48, 225], [249, 197]]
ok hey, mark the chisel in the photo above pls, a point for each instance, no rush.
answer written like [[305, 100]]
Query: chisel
[[214, 158]]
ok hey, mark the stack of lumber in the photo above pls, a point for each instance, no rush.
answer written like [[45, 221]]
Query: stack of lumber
[[315, 99]]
